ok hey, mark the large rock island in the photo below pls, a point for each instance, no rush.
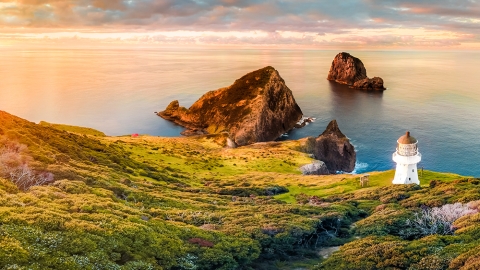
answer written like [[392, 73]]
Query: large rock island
[[258, 107], [349, 70]]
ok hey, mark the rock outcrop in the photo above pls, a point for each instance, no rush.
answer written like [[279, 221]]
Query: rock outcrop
[[315, 168], [349, 70], [335, 149], [258, 107], [376, 83], [346, 69]]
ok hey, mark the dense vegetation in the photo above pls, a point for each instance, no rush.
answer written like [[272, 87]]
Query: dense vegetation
[[190, 203]]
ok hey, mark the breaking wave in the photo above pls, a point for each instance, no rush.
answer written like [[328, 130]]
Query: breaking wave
[[360, 167]]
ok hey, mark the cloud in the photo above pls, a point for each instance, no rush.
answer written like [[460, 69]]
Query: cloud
[[324, 17], [428, 13]]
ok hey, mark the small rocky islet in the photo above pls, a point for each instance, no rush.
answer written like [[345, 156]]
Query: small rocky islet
[[349, 70]]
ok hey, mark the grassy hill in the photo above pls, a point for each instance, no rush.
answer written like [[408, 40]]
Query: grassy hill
[[190, 203], [74, 129]]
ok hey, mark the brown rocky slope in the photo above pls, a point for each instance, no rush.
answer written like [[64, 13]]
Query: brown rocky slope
[[258, 107], [349, 70]]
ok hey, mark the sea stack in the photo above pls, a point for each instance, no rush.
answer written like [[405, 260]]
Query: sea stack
[[349, 70], [335, 150], [258, 107]]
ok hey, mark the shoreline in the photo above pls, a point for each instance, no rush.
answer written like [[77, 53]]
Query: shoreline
[[88, 131]]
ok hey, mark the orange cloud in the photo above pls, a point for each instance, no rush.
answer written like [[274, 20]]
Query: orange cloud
[[316, 23]]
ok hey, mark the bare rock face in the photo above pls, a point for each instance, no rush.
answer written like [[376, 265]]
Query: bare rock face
[[376, 83], [349, 70], [335, 149], [258, 107], [346, 69], [316, 168]]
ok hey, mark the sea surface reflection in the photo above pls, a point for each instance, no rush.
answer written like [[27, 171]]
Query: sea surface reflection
[[432, 94]]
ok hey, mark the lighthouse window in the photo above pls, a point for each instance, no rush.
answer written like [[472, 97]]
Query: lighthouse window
[[409, 179], [413, 170]]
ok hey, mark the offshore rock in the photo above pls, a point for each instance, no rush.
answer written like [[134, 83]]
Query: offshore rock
[[335, 149], [346, 69], [349, 70], [258, 107], [315, 168], [376, 83], [304, 121]]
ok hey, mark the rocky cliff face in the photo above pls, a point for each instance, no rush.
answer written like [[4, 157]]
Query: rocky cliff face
[[347, 69], [258, 107], [335, 149]]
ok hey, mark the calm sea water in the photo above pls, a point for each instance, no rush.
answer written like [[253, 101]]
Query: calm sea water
[[435, 95]]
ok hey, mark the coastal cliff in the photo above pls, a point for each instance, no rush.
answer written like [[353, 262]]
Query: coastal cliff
[[335, 150], [349, 70], [258, 107]]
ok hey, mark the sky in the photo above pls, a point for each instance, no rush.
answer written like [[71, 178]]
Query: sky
[[322, 24]]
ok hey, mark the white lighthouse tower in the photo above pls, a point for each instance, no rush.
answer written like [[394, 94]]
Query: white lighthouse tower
[[406, 157]]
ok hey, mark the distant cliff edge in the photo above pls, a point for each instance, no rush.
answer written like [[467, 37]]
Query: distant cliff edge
[[258, 107], [347, 69]]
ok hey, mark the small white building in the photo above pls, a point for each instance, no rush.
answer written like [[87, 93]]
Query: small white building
[[406, 157]]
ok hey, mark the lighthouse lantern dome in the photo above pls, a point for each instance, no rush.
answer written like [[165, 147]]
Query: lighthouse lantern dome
[[407, 145], [407, 139]]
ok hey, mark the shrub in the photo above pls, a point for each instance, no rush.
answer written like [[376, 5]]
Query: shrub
[[275, 190], [468, 260], [474, 205], [25, 178], [12, 155], [14, 165], [302, 198], [369, 253], [201, 242], [387, 219], [431, 262], [437, 220]]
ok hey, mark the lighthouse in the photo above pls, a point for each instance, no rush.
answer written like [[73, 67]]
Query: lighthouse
[[406, 157]]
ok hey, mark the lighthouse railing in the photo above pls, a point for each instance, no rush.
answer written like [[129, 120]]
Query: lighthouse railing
[[407, 150], [407, 159]]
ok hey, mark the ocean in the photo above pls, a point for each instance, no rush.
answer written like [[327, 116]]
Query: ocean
[[434, 95]]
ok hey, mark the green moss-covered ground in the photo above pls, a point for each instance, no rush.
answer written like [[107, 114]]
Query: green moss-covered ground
[[190, 203]]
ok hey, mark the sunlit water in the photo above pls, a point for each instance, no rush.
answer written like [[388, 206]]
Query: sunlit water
[[435, 95]]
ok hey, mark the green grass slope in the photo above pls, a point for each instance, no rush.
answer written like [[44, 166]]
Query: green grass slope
[[74, 129], [190, 203]]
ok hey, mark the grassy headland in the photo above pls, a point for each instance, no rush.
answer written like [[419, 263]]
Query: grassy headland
[[74, 129], [190, 203]]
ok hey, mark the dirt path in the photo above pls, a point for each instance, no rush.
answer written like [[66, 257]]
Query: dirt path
[[327, 252]]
